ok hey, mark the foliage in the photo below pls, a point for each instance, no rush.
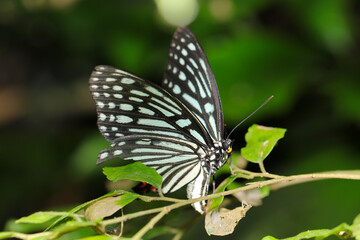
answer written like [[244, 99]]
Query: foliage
[[97, 212], [343, 231]]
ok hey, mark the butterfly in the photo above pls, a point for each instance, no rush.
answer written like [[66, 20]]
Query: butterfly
[[177, 129]]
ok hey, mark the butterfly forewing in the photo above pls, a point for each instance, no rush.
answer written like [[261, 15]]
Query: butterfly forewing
[[128, 105], [190, 78]]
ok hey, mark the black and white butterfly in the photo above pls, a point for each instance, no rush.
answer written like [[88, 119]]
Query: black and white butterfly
[[177, 129]]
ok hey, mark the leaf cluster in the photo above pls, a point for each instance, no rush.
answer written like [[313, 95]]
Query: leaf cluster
[[101, 214]]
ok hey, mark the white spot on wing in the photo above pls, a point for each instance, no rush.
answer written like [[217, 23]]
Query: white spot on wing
[[166, 133], [104, 155], [192, 101], [191, 86], [176, 89], [182, 76], [151, 150], [184, 52], [154, 91], [110, 79], [146, 111], [139, 93], [100, 104], [135, 99], [102, 117], [126, 107], [123, 119], [209, 108], [118, 152], [190, 69], [117, 88], [191, 46], [193, 63], [183, 122], [111, 105], [127, 81], [154, 123], [212, 123], [197, 135]]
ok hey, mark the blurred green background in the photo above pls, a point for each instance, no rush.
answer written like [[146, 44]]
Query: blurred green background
[[305, 53]]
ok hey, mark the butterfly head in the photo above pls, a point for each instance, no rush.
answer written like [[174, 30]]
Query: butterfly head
[[228, 146]]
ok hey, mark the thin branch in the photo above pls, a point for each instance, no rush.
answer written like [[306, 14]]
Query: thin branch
[[150, 224], [251, 175], [165, 199], [290, 180], [262, 167]]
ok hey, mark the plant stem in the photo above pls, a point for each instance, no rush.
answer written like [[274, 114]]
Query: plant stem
[[150, 224], [262, 167], [279, 181]]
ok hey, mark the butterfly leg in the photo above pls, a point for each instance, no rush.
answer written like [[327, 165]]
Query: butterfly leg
[[231, 170], [213, 183]]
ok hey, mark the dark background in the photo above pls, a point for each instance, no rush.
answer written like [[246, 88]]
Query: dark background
[[305, 53]]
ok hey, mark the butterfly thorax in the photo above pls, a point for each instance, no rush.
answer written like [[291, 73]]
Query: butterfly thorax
[[217, 156]]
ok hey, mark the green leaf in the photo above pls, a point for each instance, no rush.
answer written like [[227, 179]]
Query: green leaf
[[269, 238], [319, 234], [135, 171], [356, 227], [215, 202], [126, 198], [265, 191], [40, 217], [260, 140]]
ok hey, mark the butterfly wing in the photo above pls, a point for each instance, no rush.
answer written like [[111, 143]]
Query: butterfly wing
[[145, 123], [189, 77]]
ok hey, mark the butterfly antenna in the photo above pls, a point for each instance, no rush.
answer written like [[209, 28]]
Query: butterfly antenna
[[250, 115]]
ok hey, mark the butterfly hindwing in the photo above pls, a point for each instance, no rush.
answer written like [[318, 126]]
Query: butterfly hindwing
[[176, 160]]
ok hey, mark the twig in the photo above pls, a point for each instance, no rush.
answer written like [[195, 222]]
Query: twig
[[262, 167], [290, 180], [150, 224]]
